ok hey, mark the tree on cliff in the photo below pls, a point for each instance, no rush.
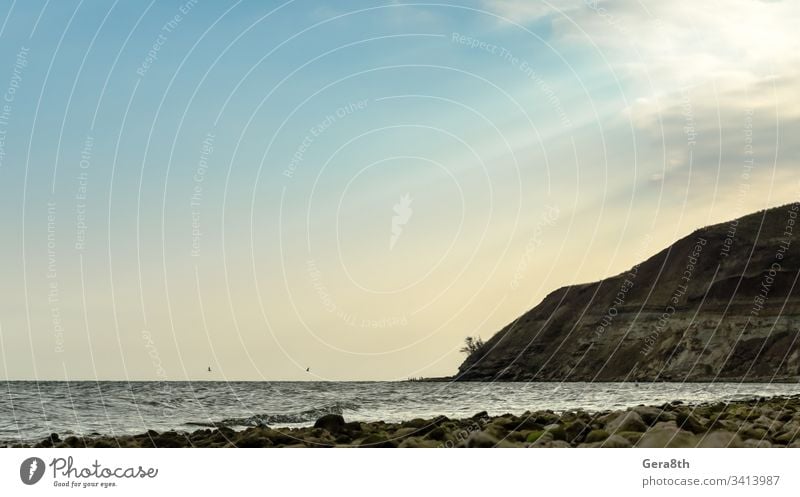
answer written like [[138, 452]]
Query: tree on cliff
[[472, 345]]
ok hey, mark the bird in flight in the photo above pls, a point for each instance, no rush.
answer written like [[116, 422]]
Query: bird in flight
[[209, 369], [308, 370]]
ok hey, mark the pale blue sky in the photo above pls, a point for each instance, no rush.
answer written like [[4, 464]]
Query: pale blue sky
[[540, 145]]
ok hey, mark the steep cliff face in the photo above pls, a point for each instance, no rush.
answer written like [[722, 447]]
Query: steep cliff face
[[720, 304]]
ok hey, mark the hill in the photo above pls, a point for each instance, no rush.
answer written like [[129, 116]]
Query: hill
[[720, 304]]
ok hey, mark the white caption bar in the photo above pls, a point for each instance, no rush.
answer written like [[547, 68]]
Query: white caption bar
[[372, 472]]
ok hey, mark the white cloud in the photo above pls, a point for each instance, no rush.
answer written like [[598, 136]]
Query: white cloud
[[734, 42]]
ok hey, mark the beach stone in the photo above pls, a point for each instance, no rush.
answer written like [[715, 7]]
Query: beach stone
[[632, 436], [557, 431], [757, 444], [479, 439], [527, 423], [688, 422], [786, 437], [596, 436], [667, 434], [546, 442], [650, 415], [170, 440], [425, 425], [754, 433], [544, 418], [743, 412], [406, 432], [419, 443], [500, 426], [254, 441], [576, 431], [74, 442], [607, 417], [720, 439], [727, 425], [495, 431], [377, 441], [516, 437], [769, 424], [626, 421], [279, 437], [543, 440], [616, 442], [417, 423], [437, 433], [334, 423], [534, 435]]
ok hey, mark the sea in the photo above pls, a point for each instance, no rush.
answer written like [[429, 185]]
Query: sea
[[30, 410]]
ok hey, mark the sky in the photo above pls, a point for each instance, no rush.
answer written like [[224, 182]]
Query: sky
[[355, 187]]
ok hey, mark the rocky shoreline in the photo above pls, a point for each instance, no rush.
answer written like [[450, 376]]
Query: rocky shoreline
[[762, 422]]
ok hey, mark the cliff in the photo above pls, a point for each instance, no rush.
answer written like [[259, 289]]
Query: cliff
[[721, 304]]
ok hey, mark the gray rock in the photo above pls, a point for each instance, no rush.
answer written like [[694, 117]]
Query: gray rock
[[627, 421], [616, 442], [650, 415], [334, 423], [576, 431], [544, 440], [689, 422], [481, 440], [757, 444], [667, 435], [720, 439]]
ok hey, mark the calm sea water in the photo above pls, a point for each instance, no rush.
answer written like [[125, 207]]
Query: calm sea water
[[30, 410]]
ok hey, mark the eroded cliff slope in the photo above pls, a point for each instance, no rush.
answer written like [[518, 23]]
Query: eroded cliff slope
[[721, 304]]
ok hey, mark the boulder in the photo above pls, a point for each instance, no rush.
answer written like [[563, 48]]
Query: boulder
[[786, 437], [406, 432], [479, 439], [667, 434], [437, 433], [533, 436], [757, 444], [689, 422], [576, 431], [720, 439], [626, 421], [378, 441], [769, 424], [650, 415], [596, 436], [616, 442], [557, 431], [334, 423], [419, 443], [543, 440]]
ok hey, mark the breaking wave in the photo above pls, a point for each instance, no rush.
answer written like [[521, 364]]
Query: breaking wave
[[302, 417]]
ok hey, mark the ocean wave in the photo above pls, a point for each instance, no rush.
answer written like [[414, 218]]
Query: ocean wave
[[307, 416]]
